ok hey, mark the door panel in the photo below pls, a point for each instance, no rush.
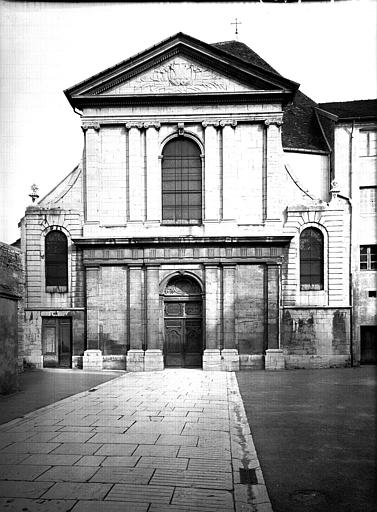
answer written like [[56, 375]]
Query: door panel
[[56, 342], [183, 334], [368, 342]]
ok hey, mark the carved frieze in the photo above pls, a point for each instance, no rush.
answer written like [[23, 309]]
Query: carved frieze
[[177, 75]]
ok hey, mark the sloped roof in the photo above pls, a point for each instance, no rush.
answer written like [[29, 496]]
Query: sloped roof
[[357, 109], [300, 126]]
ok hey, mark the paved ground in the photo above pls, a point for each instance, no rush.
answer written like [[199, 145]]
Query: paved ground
[[43, 387], [170, 441], [315, 435]]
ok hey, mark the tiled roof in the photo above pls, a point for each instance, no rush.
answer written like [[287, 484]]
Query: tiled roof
[[358, 109], [300, 126]]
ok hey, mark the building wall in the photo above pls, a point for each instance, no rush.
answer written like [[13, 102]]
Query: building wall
[[11, 316]]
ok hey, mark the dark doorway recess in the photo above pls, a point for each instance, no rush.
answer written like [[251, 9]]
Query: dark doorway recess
[[183, 346], [368, 343], [57, 342]]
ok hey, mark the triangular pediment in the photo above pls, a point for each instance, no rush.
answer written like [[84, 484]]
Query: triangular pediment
[[180, 66], [178, 75]]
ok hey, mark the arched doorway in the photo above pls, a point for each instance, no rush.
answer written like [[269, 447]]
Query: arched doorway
[[183, 344]]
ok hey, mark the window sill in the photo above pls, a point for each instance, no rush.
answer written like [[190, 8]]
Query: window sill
[[181, 223], [56, 289]]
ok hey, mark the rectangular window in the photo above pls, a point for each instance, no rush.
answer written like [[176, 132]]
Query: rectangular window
[[368, 257], [368, 143], [368, 203]]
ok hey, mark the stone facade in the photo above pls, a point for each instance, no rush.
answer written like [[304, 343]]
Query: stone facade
[[229, 285], [11, 316]]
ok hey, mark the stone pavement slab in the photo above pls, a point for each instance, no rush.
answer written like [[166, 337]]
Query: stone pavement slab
[[175, 440]]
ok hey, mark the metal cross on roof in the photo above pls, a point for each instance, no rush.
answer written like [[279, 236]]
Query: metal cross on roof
[[236, 22]]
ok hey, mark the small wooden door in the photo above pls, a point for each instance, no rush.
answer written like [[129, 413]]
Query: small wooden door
[[368, 342], [57, 342], [183, 334]]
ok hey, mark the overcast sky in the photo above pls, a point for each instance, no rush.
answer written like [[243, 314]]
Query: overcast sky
[[329, 48]]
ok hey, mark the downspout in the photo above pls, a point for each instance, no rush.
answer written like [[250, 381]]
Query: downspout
[[350, 163]]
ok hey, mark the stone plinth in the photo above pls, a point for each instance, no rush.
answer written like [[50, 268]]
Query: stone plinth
[[230, 360], [153, 360], [135, 360], [212, 359], [274, 359], [92, 360]]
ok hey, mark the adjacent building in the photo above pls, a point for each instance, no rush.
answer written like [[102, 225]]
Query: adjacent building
[[203, 226]]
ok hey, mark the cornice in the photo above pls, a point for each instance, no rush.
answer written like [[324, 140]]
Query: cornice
[[183, 240]]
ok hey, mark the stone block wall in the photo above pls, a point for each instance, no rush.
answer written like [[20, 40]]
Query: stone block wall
[[11, 316], [316, 337]]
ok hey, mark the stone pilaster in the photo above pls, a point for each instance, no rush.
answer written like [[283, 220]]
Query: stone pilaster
[[229, 171], [92, 174], [274, 359], [135, 355], [211, 172], [229, 354], [153, 173], [92, 293], [153, 359], [136, 173], [273, 179], [211, 356]]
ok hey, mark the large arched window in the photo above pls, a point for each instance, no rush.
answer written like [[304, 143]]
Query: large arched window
[[311, 259], [181, 182], [56, 260]]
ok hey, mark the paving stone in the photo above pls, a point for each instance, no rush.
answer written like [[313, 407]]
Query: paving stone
[[77, 448], [212, 499], [12, 458], [51, 459], [76, 428], [109, 429], [110, 506], [193, 452], [73, 437], [120, 461], [154, 450], [42, 437], [200, 479], [117, 449], [12, 437], [163, 462], [77, 490], [90, 460], [26, 447], [125, 475], [141, 427], [135, 438], [68, 474], [39, 505], [23, 489], [140, 493], [179, 440], [218, 465], [19, 472]]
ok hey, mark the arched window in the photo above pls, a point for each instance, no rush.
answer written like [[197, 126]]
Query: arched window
[[181, 182], [311, 259], [56, 260]]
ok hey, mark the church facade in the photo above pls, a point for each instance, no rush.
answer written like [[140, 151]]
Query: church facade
[[202, 227]]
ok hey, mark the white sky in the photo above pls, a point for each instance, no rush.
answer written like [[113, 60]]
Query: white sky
[[329, 48]]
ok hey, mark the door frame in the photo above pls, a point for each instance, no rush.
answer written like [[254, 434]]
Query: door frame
[[53, 359]]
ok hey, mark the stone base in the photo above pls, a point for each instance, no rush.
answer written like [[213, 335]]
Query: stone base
[[274, 360], [135, 361], [92, 360], [77, 362], [251, 362], [114, 362], [230, 360], [153, 360], [212, 359]]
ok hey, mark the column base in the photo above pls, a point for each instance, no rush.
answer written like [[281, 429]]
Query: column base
[[153, 360], [211, 359], [230, 360], [92, 360], [135, 361], [274, 359]]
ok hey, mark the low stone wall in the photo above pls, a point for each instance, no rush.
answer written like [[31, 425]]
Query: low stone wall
[[316, 337]]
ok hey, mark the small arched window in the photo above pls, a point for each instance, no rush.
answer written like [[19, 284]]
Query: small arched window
[[311, 259], [56, 260], [181, 182]]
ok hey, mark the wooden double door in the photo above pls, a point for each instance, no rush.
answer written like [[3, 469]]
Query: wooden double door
[[183, 346]]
